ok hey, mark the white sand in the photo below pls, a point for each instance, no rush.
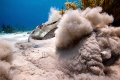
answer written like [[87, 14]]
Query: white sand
[[15, 37], [31, 63]]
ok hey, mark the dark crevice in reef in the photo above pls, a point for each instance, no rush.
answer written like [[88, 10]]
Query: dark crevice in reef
[[111, 61], [116, 23]]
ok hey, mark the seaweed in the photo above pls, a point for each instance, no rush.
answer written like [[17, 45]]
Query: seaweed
[[10, 29], [16, 26], [29, 29], [7, 29], [23, 28]]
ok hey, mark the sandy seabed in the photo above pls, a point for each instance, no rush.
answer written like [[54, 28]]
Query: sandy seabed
[[30, 62]]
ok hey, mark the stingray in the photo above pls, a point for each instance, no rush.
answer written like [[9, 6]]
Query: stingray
[[39, 27]]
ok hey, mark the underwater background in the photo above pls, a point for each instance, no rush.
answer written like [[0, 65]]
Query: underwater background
[[24, 15]]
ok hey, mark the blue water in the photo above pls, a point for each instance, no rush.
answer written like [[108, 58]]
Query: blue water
[[29, 13]]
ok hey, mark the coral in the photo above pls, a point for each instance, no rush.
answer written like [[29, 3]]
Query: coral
[[62, 11], [70, 5], [109, 6]]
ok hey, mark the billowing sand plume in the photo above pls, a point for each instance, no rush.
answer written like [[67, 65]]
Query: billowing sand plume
[[53, 16], [85, 47], [5, 58], [72, 27], [86, 43], [95, 16]]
